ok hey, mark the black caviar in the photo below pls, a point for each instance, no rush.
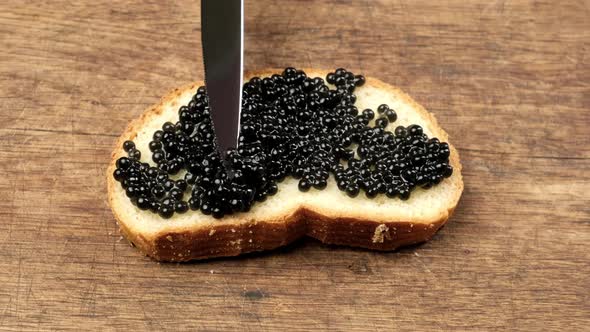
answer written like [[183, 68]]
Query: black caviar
[[292, 125]]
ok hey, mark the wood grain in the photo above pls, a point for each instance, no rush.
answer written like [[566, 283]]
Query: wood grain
[[509, 81]]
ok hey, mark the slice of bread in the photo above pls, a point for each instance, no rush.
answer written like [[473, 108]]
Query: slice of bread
[[328, 215]]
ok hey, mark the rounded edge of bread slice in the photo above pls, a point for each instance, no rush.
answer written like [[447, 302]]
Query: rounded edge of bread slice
[[169, 240]]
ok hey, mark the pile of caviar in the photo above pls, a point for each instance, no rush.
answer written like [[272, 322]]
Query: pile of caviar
[[291, 125]]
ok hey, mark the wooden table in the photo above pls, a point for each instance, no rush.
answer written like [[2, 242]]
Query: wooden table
[[509, 81]]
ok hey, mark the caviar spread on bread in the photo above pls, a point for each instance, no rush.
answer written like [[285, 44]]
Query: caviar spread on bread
[[292, 125]]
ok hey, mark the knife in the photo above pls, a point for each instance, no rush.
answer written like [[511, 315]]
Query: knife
[[222, 37]]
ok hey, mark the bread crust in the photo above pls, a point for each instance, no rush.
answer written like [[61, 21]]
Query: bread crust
[[232, 239]]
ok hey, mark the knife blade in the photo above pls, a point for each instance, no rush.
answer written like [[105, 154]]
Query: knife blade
[[222, 37]]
